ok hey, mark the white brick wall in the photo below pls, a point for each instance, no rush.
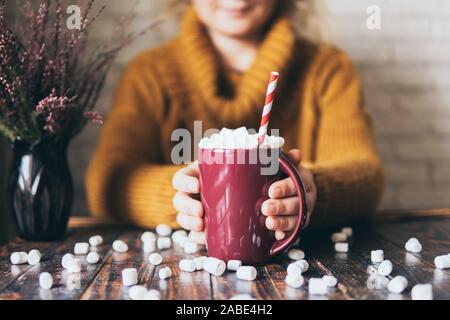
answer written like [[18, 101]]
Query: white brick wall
[[405, 68]]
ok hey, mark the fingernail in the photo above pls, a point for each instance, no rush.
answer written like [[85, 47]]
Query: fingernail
[[278, 192], [267, 208], [271, 208], [271, 224]]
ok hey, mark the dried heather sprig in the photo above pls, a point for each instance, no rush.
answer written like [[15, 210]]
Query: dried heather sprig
[[49, 80]]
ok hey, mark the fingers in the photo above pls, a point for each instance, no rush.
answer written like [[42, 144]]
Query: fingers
[[190, 223], [281, 223], [307, 178], [282, 188], [286, 188], [186, 179], [280, 235], [283, 207], [295, 156], [185, 204]]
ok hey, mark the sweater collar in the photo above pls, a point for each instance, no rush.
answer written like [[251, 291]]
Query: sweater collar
[[202, 65]]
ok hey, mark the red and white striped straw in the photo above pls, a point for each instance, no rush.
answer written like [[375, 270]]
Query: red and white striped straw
[[271, 90]]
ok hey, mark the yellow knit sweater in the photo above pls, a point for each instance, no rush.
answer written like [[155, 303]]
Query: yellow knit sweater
[[319, 109]]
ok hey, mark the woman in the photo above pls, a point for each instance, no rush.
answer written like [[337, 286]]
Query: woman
[[216, 71]]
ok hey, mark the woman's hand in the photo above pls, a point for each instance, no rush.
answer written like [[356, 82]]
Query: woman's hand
[[282, 207], [190, 209]]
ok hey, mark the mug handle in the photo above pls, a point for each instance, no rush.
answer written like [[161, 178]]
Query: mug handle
[[291, 170]]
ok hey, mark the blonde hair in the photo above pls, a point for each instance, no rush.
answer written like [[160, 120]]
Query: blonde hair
[[309, 17]]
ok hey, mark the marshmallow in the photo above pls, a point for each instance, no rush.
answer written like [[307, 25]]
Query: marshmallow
[[385, 268], [81, 248], [187, 265], [155, 259], [413, 245], [348, 231], [137, 292], [152, 295], [164, 243], [294, 280], [129, 277], [330, 281], [74, 266], [190, 247], [66, 260], [377, 282], [34, 257], [304, 265], [317, 286], [199, 262], [341, 247], [294, 269], [148, 236], [197, 237], [339, 237], [149, 246], [243, 296], [442, 262], [214, 266], [19, 258], [120, 246], [45, 280], [73, 281], [93, 258], [397, 284], [233, 265], [248, 273], [422, 292], [239, 139], [372, 270], [96, 241], [296, 254], [163, 230], [165, 273], [377, 256], [179, 236]]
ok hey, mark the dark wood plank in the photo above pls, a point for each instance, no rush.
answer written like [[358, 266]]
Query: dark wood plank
[[317, 269], [25, 284], [434, 235], [107, 284], [104, 281], [392, 215], [228, 285], [349, 268], [181, 286]]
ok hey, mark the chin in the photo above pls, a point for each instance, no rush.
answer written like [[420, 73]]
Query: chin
[[236, 29]]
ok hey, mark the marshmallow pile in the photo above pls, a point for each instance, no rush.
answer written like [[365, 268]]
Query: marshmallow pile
[[192, 243], [239, 139], [72, 263], [398, 284]]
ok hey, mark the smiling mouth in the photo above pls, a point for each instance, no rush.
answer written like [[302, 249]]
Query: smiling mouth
[[237, 11]]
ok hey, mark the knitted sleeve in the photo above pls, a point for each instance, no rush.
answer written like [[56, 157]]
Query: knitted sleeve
[[127, 178], [347, 170]]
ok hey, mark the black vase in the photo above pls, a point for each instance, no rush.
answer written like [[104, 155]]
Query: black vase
[[40, 190]]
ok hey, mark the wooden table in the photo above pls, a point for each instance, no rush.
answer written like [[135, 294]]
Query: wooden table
[[103, 281]]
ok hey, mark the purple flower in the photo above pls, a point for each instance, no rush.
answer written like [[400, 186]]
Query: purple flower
[[93, 116], [44, 65], [54, 110]]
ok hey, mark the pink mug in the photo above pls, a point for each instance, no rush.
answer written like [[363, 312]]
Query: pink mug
[[232, 195]]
